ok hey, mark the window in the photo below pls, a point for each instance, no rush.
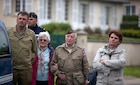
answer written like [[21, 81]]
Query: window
[[107, 15], [6, 7], [45, 9], [84, 8], [66, 9], [19, 5], [49, 8], [23, 5], [130, 10], [4, 48]]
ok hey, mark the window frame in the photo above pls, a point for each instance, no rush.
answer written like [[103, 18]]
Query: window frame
[[130, 9], [23, 6]]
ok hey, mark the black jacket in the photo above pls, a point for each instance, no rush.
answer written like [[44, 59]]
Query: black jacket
[[36, 29]]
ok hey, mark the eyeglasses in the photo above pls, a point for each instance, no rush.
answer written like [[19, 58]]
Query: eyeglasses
[[42, 40]]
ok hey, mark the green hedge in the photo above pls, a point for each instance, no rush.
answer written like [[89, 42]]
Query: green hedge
[[131, 33], [129, 22], [56, 28], [130, 18], [127, 25]]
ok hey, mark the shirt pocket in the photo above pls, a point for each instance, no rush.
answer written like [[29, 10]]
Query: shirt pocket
[[26, 43], [61, 62], [77, 63]]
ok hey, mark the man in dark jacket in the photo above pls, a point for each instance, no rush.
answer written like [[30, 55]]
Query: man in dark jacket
[[33, 23]]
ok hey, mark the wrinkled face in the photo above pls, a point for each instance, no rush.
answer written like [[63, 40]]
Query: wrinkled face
[[32, 21], [22, 20], [70, 39], [43, 41], [114, 40]]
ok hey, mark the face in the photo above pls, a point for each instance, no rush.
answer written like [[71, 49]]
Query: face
[[70, 39], [114, 40], [32, 21], [22, 21], [43, 41]]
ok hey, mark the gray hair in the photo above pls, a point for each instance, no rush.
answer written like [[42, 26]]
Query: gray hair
[[46, 33]]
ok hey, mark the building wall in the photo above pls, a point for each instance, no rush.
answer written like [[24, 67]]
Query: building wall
[[10, 20], [137, 4]]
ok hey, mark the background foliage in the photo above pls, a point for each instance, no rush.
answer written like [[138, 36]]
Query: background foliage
[[56, 28]]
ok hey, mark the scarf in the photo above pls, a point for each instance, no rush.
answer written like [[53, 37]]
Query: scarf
[[42, 67]]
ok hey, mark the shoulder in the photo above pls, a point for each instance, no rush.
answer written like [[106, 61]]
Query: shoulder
[[81, 51], [41, 29], [60, 46], [31, 32], [10, 30], [79, 48], [50, 47], [120, 50]]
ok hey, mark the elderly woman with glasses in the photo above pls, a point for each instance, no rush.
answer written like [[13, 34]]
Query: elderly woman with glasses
[[43, 76]]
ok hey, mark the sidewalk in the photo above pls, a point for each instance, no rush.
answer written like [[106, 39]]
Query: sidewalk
[[129, 80]]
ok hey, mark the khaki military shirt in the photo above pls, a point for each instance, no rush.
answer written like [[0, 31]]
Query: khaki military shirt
[[22, 48], [72, 63]]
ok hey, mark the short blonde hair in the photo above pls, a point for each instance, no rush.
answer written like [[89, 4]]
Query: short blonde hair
[[46, 33]]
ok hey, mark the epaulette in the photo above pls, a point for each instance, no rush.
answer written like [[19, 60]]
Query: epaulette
[[60, 46]]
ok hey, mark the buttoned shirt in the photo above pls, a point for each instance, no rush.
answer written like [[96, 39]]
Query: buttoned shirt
[[22, 45]]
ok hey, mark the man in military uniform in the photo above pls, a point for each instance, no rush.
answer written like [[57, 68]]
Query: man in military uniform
[[72, 62], [23, 44]]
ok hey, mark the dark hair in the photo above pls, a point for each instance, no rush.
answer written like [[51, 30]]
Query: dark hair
[[117, 33], [33, 15], [23, 13]]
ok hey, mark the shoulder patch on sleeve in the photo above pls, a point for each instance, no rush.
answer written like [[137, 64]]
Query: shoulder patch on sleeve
[[84, 53]]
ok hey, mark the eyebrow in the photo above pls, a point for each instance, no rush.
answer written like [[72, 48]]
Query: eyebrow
[[30, 19]]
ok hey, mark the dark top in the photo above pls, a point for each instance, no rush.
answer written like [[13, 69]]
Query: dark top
[[36, 29]]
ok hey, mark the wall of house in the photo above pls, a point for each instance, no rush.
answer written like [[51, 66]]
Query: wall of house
[[137, 4], [94, 13], [8, 20]]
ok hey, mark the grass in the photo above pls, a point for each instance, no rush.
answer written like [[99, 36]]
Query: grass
[[129, 71], [132, 71]]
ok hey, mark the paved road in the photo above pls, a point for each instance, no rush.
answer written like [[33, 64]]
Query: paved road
[[128, 80]]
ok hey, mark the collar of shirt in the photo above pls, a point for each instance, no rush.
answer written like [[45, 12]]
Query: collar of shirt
[[69, 49], [25, 32], [42, 49]]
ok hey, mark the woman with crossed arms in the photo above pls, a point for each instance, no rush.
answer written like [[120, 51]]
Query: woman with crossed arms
[[110, 60]]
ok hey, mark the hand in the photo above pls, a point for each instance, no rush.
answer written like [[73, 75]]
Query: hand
[[56, 66], [87, 82], [102, 62], [62, 76]]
